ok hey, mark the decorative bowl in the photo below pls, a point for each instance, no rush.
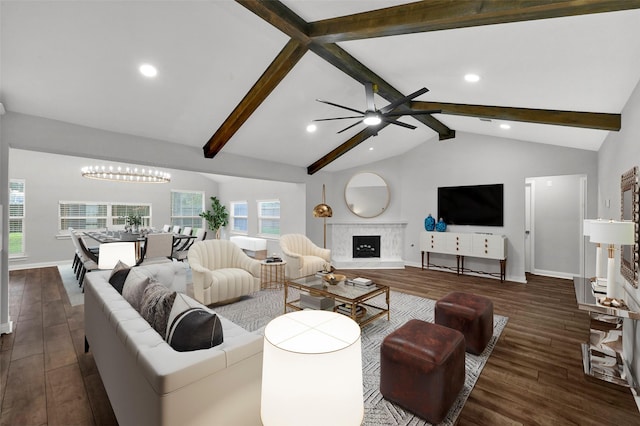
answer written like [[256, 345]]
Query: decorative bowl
[[334, 279]]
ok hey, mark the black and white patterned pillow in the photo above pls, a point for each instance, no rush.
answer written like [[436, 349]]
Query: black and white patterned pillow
[[156, 304], [192, 326], [119, 275]]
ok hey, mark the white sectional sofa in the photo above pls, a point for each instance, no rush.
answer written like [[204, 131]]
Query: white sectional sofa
[[149, 383]]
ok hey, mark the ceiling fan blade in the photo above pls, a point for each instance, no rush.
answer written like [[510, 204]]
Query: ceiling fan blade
[[368, 90], [340, 106], [337, 118], [347, 128], [395, 104], [426, 111], [400, 123]]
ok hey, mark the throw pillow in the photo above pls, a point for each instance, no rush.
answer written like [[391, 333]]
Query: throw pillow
[[119, 275], [133, 288], [156, 304], [192, 326]]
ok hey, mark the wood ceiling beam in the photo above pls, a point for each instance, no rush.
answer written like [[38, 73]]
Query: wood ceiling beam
[[280, 16], [588, 120], [436, 15], [273, 75], [345, 147]]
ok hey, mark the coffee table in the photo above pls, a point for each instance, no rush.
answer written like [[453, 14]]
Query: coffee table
[[351, 297]]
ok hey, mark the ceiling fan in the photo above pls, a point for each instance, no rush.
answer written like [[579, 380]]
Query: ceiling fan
[[373, 116]]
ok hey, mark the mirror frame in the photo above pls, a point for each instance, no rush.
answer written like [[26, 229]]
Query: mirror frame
[[629, 183], [383, 209]]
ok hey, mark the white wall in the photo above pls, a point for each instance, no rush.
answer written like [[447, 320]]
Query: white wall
[[619, 153], [292, 198]]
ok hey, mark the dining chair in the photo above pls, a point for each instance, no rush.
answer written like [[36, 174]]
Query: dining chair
[[186, 230], [88, 259], [166, 228], [111, 253], [157, 248], [176, 229], [180, 253]]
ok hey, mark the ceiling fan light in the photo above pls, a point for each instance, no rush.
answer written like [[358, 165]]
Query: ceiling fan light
[[372, 119]]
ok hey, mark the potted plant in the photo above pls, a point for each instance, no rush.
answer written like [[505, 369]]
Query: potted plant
[[134, 221], [217, 217]]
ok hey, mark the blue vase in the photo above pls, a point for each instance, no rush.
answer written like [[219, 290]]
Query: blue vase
[[429, 223], [441, 226]]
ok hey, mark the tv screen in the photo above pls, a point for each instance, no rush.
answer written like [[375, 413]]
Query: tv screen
[[472, 205]]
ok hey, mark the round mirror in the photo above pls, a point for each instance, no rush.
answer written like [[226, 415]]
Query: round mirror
[[367, 195]]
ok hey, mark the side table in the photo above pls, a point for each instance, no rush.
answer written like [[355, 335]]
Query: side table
[[272, 274], [602, 355]]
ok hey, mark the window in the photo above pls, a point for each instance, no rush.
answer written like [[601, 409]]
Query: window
[[97, 215], [269, 217], [16, 217], [239, 220], [186, 207]]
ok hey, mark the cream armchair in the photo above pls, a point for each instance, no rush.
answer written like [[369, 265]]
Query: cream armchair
[[222, 272], [303, 256]]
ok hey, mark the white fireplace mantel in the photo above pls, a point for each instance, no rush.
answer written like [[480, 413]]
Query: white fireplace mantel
[[391, 244]]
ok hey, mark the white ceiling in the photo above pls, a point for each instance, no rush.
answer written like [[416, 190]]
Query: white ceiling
[[76, 61]]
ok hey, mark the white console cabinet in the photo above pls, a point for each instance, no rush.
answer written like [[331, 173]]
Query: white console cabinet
[[487, 246]]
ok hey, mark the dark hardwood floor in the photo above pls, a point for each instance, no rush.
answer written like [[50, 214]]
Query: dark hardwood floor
[[534, 375]]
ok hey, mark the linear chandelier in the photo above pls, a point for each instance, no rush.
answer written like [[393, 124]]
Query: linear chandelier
[[126, 174]]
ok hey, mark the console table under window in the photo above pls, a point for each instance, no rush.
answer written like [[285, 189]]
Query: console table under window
[[486, 246]]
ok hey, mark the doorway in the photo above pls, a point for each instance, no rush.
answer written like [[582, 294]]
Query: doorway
[[554, 213]]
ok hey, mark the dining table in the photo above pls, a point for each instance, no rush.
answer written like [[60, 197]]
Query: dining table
[[105, 237]]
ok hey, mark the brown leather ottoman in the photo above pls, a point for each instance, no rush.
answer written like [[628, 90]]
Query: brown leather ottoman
[[470, 314], [422, 368]]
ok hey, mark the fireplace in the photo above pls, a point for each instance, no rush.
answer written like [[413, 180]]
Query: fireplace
[[366, 246]]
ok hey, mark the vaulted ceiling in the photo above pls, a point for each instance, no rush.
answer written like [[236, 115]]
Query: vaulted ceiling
[[242, 77]]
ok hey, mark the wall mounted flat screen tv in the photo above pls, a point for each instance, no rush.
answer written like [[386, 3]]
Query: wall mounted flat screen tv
[[481, 205]]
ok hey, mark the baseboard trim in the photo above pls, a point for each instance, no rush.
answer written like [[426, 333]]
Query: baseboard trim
[[18, 267], [6, 328], [554, 274]]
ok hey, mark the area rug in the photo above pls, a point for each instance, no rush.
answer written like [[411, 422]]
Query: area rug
[[254, 313], [76, 297]]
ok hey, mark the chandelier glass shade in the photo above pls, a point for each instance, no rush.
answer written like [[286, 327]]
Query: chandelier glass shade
[[126, 174]]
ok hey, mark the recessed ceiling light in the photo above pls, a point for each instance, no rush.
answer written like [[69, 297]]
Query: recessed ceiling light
[[148, 70], [472, 78], [312, 128], [370, 148], [505, 126]]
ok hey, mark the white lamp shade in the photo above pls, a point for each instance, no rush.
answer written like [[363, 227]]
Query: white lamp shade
[[111, 253], [312, 370], [612, 232]]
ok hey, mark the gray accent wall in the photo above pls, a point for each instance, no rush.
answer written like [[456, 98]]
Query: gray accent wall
[[619, 153], [472, 159]]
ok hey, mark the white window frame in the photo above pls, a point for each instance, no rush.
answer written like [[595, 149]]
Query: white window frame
[[202, 208], [109, 218], [21, 218], [233, 217], [261, 218]]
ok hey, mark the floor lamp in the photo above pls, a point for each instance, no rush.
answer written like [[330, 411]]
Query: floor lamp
[[612, 233], [324, 211]]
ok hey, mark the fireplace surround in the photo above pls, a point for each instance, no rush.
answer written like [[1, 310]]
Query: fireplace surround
[[391, 235]]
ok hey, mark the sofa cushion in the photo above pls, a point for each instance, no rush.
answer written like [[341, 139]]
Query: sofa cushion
[[156, 304], [119, 275], [192, 326], [134, 287]]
